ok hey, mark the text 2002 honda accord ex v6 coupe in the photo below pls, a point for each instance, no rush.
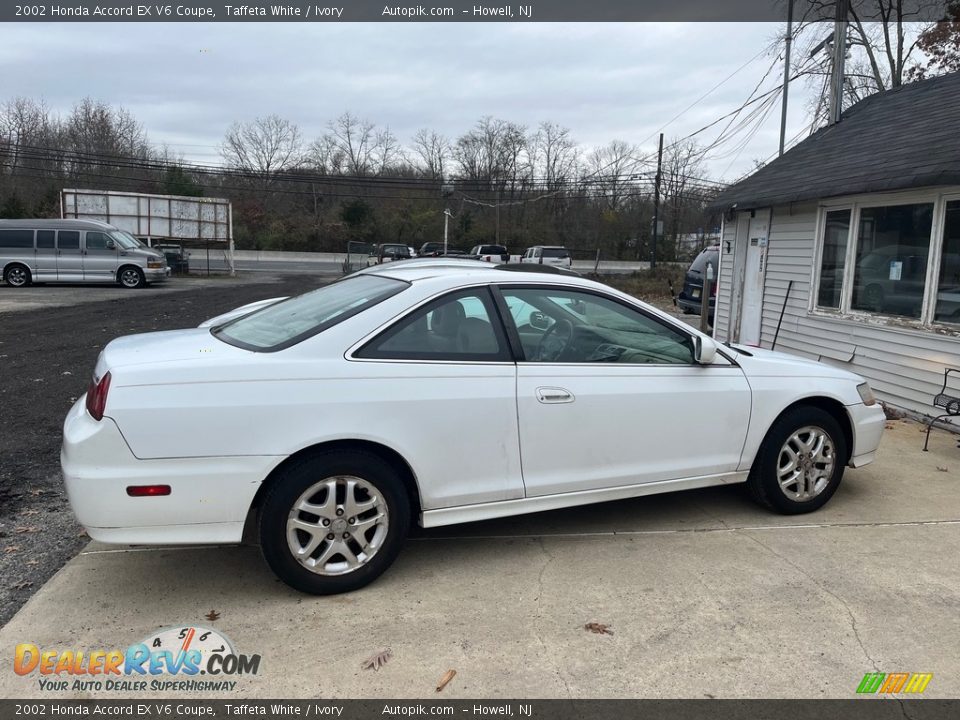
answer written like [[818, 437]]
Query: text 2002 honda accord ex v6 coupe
[[335, 419]]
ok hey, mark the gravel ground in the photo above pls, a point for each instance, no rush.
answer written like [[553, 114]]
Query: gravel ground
[[46, 357]]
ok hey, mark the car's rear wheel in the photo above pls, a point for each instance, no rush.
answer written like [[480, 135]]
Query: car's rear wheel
[[800, 463], [334, 522], [17, 275]]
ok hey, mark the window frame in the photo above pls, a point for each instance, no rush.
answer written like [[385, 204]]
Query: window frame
[[481, 291], [514, 334], [939, 198]]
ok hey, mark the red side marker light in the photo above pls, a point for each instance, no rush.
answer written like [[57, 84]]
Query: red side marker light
[[147, 490]]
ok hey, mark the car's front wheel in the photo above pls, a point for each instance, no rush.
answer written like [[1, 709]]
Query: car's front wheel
[[334, 522], [800, 463]]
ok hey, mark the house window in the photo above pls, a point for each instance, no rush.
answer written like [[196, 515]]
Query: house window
[[948, 287], [890, 266], [833, 259]]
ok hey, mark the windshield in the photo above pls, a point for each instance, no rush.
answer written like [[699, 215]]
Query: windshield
[[291, 321], [125, 240]]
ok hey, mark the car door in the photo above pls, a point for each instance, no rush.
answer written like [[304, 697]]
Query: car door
[[441, 383], [609, 395], [69, 259], [46, 269], [99, 257]]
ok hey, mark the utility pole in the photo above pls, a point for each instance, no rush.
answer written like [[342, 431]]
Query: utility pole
[[786, 75], [656, 205], [839, 59], [446, 228]]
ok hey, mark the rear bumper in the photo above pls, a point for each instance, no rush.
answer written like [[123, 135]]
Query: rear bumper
[[867, 423], [693, 305], [208, 503]]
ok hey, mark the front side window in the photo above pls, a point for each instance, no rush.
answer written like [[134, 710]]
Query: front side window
[[291, 321], [833, 259], [462, 326], [97, 241], [948, 286], [569, 326], [890, 264]]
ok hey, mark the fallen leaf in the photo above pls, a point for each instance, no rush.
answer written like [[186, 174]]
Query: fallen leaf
[[377, 660], [888, 426], [24, 529], [37, 491], [941, 469], [212, 615], [30, 512], [33, 562], [598, 628], [10, 549], [447, 677], [22, 585]]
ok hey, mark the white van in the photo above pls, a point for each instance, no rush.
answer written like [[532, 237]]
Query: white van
[[548, 255], [76, 251]]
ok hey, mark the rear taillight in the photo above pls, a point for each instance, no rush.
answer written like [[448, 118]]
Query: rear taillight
[[713, 290], [97, 396]]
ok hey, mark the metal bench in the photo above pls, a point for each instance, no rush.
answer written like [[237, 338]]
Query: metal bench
[[943, 399]]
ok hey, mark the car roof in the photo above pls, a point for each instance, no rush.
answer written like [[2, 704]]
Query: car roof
[[56, 224], [466, 271]]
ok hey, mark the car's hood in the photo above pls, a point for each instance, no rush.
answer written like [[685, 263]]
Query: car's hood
[[240, 312], [768, 363], [161, 347]]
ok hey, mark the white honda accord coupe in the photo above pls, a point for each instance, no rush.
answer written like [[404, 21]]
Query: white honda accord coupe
[[332, 421]]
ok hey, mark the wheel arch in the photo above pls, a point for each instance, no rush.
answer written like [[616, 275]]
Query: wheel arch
[[13, 263], [124, 266], [388, 454], [834, 408]]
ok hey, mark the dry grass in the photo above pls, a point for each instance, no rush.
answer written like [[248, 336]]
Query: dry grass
[[649, 285]]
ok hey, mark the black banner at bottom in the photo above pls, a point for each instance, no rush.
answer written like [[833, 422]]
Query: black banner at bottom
[[853, 709]]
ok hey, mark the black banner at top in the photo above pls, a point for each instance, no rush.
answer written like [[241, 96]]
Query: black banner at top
[[321, 11]]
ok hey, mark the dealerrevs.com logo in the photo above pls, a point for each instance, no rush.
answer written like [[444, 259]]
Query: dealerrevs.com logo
[[174, 659]]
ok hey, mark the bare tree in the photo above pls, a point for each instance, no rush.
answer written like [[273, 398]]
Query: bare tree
[[26, 126], [432, 152], [356, 141], [882, 37], [553, 154], [265, 145], [608, 171]]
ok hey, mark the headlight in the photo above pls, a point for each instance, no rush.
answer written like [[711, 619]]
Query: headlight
[[155, 264], [866, 394]]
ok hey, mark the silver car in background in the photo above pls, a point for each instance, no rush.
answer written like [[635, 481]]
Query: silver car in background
[[76, 251]]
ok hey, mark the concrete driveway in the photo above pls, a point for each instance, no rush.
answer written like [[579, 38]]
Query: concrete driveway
[[706, 596]]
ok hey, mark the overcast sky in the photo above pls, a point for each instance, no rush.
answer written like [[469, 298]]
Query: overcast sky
[[188, 82]]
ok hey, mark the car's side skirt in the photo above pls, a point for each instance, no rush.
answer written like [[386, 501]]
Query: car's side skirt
[[505, 508]]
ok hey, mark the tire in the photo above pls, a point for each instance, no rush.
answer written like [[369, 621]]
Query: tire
[[131, 277], [17, 275], [817, 480], [325, 566]]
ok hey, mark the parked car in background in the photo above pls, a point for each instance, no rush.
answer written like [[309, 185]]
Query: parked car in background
[[491, 253], [388, 252], [333, 421], [178, 259], [76, 251], [430, 249], [690, 298], [548, 255]]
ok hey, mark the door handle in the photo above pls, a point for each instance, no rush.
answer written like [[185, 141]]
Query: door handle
[[554, 395]]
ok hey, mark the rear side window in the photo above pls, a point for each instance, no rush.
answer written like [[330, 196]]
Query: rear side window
[[18, 239], [45, 238], [707, 256], [459, 327], [68, 240], [289, 322], [561, 253]]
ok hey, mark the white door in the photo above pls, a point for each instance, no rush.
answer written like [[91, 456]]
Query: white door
[[609, 396], [755, 267]]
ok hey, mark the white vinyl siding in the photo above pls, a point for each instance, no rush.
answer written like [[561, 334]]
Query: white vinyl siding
[[725, 278], [903, 365]]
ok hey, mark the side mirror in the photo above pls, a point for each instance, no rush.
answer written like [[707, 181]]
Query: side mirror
[[111, 245], [539, 320], [704, 350]]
